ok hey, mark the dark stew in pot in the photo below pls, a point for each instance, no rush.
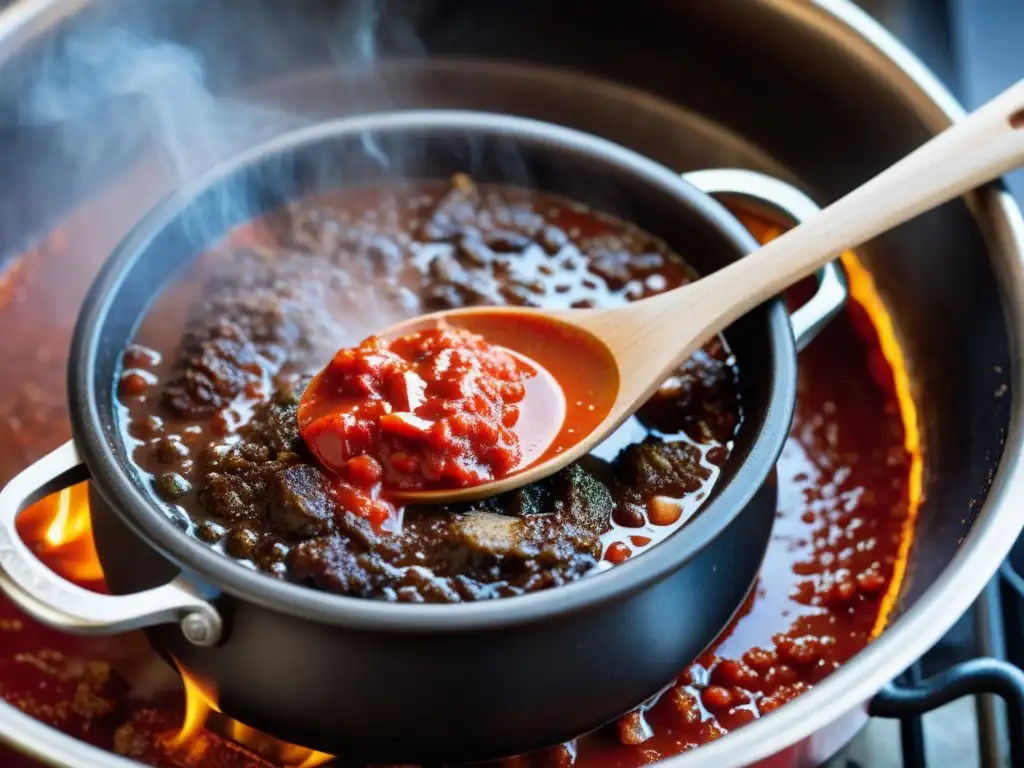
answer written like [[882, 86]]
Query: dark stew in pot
[[211, 390], [849, 485]]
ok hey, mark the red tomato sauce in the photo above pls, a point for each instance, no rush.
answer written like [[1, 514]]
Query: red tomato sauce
[[444, 407], [582, 368], [434, 408]]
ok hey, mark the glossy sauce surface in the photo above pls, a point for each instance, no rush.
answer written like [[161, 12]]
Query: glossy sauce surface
[[843, 481], [218, 379]]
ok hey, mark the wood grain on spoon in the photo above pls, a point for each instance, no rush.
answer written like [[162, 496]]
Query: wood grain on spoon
[[634, 348]]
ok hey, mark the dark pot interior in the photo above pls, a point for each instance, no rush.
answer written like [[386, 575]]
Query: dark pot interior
[[527, 699]]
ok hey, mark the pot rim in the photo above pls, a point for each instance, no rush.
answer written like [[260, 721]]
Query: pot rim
[[140, 512]]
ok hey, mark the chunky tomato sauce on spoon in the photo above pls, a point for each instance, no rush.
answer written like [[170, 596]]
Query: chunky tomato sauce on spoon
[[440, 406], [435, 408]]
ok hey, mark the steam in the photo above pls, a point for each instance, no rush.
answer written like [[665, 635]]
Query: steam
[[120, 93], [157, 89], [143, 90]]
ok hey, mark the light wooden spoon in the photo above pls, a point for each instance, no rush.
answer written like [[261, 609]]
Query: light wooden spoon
[[636, 347]]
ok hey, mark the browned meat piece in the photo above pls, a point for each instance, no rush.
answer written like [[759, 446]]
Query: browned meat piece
[[657, 468], [330, 564], [254, 314], [581, 498], [239, 492], [277, 426], [456, 211], [504, 241], [472, 284], [700, 399], [445, 296], [483, 220], [385, 256], [553, 239], [492, 554], [474, 252], [299, 504], [491, 533], [529, 500], [222, 368], [260, 478], [613, 266], [471, 556], [276, 299]]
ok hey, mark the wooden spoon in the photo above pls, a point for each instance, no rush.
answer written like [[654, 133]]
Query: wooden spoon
[[633, 349]]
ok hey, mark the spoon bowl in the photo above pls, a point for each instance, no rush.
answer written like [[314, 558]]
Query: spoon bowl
[[595, 369], [568, 402]]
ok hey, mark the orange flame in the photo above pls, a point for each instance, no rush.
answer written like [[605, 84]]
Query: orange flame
[[864, 292], [200, 701], [200, 708], [59, 529]]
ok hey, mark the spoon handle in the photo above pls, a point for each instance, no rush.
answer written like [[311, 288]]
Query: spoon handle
[[986, 144]]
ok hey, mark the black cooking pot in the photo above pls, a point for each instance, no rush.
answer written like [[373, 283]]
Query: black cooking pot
[[404, 682]]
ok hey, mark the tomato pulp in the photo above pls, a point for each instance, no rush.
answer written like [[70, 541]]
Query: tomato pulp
[[436, 408]]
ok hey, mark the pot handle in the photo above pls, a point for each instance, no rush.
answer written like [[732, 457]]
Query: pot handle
[[786, 199], [55, 601]]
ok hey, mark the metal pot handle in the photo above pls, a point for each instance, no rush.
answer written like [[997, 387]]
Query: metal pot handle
[[786, 199], [55, 601]]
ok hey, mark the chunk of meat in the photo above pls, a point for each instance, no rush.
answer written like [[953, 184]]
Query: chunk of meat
[[490, 533], [456, 212], [278, 428], [222, 368], [700, 398], [613, 265], [582, 499], [300, 505], [527, 500], [257, 311], [330, 564], [238, 479], [658, 468]]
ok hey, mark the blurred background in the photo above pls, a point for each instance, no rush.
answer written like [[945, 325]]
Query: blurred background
[[975, 46]]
